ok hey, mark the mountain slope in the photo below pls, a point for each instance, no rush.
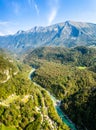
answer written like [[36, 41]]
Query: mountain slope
[[76, 87], [24, 105], [70, 75], [68, 34], [78, 56], [7, 67]]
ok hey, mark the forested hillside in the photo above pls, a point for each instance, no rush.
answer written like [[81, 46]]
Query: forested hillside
[[78, 56], [70, 74], [23, 105]]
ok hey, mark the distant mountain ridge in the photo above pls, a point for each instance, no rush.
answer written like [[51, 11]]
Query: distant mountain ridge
[[67, 34]]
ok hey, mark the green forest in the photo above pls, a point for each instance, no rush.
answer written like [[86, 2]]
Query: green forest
[[70, 74], [23, 105]]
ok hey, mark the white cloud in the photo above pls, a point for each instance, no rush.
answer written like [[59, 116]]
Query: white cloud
[[52, 16], [16, 7], [3, 23], [7, 27], [36, 8], [2, 34], [54, 5], [29, 2], [56, 1], [33, 4]]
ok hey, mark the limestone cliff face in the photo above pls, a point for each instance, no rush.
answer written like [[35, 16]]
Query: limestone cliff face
[[67, 34]]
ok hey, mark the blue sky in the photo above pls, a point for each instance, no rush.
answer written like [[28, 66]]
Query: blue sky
[[24, 14]]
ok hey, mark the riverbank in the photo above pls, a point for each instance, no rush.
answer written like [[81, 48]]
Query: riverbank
[[56, 103]]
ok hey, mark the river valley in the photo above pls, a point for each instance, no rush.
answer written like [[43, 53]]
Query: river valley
[[56, 103]]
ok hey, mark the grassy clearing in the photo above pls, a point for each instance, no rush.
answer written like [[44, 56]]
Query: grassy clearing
[[13, 98], [81, 67], [3, 127], [9, 100]]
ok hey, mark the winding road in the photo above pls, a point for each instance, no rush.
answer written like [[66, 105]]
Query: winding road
[[56, 103]]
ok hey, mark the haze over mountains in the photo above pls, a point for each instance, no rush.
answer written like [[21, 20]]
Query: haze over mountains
[[67, 34]]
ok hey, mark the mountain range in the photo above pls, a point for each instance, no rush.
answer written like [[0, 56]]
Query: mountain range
[[66, 34]]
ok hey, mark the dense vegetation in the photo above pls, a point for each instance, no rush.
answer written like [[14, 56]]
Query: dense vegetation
[[78, 56], [70, 74], [24, 105], [3, 127], [7, 67]]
